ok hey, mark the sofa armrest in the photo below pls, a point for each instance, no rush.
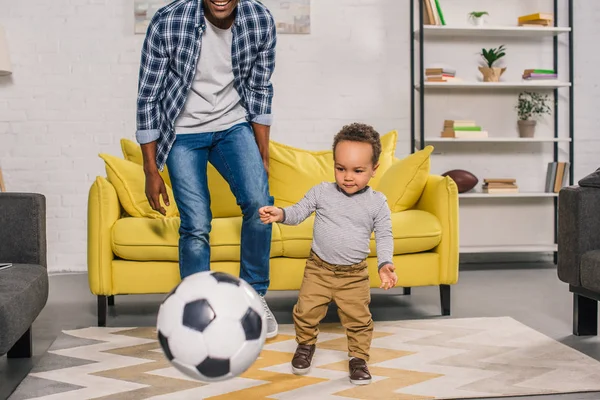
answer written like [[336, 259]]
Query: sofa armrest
[[440, 198], [578, 229], [103, 211], [23, 228]]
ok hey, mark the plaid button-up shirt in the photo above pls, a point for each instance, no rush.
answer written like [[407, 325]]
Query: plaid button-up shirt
[[168, 64]]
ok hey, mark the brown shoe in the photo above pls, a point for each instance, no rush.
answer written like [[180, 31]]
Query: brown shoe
[[359, 373], [302, 358]]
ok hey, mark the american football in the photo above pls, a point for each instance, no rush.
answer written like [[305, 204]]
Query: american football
[[464, 180]]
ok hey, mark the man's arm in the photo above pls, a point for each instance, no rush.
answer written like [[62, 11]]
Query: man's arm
[[384, 240], [153, 68], [261, 134], [260, 91]]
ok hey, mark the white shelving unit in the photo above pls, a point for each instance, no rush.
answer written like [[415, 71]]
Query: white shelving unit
[[490, 31], [479, 206], [549, 84]]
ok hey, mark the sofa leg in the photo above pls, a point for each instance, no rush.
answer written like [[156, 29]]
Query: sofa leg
[[445, 299], [111, 301], [585, 316], [406, 291], [23, 348], [102, 310]]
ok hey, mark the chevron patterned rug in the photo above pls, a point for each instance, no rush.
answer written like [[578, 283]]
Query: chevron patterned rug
[[419, 359]]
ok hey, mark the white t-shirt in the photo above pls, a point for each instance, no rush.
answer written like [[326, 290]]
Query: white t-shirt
[[212, 104]]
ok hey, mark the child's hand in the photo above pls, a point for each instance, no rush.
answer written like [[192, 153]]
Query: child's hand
[[269, 214], [388, 277]]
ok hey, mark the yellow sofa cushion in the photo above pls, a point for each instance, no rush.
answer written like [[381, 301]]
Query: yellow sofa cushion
[[129, 181], [293, 171], [222, 201], [403, 183], [414, 231], [145, 239]]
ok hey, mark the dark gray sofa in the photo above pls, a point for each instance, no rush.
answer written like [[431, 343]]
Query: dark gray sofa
[[579, 250], [24, 286]]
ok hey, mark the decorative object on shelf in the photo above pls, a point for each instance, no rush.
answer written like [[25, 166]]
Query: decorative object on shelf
[[556, 176], [537, 19], [476, 17], [530, 105], [2, 187], [463, 129], [491, 73], [440, 74], [500, 185], [537, 74], [433, 14], [464, 180]]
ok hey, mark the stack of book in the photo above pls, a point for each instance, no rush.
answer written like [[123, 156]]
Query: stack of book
[[556, 176], [537, 19], [462, 129], [539, 74], [440, 74], [500, 185]]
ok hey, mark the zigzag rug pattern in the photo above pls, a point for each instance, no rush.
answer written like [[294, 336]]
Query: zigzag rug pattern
[[410, 360]]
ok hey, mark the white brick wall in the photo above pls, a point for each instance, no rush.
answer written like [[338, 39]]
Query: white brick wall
[[72, 94]]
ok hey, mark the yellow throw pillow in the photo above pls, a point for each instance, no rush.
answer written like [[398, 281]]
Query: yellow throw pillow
[[386, 159], [133, 152], [222, 201], [404, 181], [130, 183], [293, 171]]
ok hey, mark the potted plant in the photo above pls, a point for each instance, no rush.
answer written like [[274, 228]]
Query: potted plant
[[530, 105], [476, 17], [490, 72]]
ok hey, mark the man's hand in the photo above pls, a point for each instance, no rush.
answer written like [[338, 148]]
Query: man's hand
[[269, 214], [155, 188], [388, 277]]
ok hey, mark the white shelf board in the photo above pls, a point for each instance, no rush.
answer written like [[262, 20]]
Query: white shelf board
[[495, 140], [491, 31], [510, 248], [545, 84], [480, 195]]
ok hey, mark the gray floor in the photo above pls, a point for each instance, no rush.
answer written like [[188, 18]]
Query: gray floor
[[530, 293]]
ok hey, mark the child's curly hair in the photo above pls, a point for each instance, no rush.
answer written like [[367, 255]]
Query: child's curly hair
[[357, 132]]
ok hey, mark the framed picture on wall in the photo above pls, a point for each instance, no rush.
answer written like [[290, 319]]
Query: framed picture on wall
[[144, 10], [291, 16]]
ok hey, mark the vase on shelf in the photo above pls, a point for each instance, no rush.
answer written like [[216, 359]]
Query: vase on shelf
[[492, 74], [526, 128]]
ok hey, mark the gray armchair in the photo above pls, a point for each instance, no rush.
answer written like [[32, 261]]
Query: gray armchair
[[24, 286], [579, 250]]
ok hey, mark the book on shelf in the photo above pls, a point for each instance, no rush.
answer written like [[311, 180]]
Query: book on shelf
[[556, 176], [440, 74], [433, 14], [500, 185], [539, 74], [462, 129], [536, 19]]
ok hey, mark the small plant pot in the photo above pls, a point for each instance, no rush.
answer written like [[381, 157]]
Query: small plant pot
[[491, 74], [477, 21], [526, 128]]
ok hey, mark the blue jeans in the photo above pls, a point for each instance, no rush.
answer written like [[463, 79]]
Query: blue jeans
[[235, 156]]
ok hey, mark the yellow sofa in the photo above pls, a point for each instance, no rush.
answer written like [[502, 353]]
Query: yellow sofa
[[133, 250]]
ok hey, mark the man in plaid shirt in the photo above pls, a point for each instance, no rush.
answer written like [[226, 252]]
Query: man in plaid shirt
[[205, 95]]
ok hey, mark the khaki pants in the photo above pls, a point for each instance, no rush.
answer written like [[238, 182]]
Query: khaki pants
[[346, 285]]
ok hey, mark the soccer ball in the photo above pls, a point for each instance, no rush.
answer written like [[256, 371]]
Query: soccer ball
[[212, 326]]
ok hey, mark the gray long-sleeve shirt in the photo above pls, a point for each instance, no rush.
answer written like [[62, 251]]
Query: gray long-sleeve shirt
[[344, 223]]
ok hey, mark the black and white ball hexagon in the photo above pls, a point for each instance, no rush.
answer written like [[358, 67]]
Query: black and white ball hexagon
[[212, 326]]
